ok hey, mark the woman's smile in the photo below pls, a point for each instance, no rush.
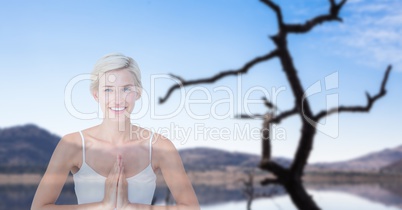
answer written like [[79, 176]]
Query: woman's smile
[[118, 110]]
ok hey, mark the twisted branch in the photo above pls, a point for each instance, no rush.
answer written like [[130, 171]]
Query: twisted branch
[[277, 11], [308, 25], [246, 116], [279, 171], [269, 181], [370, 101], [284, 115], [218, 76], [277, 119]]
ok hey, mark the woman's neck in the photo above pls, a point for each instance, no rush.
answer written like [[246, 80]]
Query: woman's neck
[[116, 132]]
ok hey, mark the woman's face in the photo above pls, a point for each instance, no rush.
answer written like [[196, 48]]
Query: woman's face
[[116, 94]]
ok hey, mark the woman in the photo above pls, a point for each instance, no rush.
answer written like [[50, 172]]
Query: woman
[[113, 163]]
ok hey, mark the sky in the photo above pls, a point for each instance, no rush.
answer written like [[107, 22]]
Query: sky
[[48, 48]]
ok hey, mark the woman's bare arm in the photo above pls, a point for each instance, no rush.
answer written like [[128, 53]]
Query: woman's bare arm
[[55, 177]]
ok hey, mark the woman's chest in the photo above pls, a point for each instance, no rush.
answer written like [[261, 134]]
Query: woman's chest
[[102, 157]]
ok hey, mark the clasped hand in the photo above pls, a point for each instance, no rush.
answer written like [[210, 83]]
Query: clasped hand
[[116, 196]]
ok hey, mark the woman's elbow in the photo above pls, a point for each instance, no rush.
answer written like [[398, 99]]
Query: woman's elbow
[[193, 207], [189, 207], [37, 205]]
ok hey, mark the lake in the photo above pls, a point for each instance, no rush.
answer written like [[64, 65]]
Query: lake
[[326, 200], [368, 196]]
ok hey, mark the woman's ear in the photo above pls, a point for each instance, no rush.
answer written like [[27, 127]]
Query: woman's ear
[[95, 94], [138, 93]]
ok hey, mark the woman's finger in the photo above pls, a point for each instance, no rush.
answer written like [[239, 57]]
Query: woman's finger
[[120, 160], [114, 169], [110, 198], [122, 191]]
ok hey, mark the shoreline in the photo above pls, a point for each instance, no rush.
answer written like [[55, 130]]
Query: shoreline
[[221, 178]]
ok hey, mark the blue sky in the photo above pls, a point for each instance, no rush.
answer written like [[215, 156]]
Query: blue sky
[[44, 45]]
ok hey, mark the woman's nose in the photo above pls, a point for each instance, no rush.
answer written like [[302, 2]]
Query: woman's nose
[[120, 96]]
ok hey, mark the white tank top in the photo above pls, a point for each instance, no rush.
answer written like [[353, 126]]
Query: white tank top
[[90, 186]]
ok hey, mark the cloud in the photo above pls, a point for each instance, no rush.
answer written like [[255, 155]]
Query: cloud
[[371, 32]]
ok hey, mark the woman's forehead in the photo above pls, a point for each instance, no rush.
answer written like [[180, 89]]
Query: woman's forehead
[[117, 78]]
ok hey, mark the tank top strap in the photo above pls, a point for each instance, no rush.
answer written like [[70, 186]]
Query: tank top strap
[[150, 147], [83, 147]]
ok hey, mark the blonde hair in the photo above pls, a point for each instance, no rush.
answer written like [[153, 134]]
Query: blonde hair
[[115, 61]]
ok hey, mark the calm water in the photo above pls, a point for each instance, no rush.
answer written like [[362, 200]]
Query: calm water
[[373, 196], [326, 200]]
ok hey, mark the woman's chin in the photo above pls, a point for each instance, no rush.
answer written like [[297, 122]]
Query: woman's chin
[[118, 118]]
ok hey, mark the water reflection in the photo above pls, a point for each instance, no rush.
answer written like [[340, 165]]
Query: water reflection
[[327, 200], [16, 197], [19, 197], [388, 194]]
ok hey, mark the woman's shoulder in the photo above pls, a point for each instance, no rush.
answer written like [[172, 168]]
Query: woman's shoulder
[[162, 143], [68, 148], [71, 141], [76, 138], [165, 152]]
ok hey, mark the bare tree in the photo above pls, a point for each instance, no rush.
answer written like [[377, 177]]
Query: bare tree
[[290, 178], [248, 189]]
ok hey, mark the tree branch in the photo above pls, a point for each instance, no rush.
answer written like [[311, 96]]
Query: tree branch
[[268, 181], [245, 116], [308, 25], [370, 101], [277, 11], [177, 77], [276, 119], [284, 115], [218, 76], [269, 104], [279, 171], [335, 8]]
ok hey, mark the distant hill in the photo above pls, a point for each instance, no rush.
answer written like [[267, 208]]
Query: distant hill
[[202, 159], [372, 162], [215, 159], [394, 168], [28, 148], [25, 148]]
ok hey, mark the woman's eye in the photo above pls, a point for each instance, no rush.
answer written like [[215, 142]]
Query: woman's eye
[[127, 89], [108, 90]]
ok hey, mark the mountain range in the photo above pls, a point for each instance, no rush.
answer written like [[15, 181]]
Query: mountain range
[[28, 148], [384, 161]]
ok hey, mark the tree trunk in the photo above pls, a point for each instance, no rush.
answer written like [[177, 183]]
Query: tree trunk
[[249, 201], [299, 196]]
